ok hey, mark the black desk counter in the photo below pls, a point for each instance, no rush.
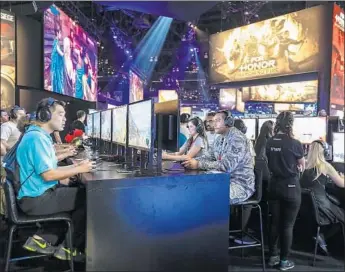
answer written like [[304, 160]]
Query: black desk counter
[[173, 222]]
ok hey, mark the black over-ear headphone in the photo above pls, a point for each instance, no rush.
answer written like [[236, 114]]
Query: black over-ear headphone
[[229, 119], [325, 146], [13, 112], [43, 113]]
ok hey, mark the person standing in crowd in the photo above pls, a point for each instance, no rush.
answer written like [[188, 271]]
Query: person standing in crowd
[[184, 133], [4, 117], [9, 130], [211, 134], [195, 146], [315, 177], [44, 186], [80, 122], [230, 153], [285, 160]]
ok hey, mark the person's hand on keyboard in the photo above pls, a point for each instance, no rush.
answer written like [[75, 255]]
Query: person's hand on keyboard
[[86, 166]]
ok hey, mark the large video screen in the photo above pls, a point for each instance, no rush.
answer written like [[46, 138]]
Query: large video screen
[[285, 45], [251, 128], [70, 57], [167, 95], [227, 99], [136, 87], [338, 147], [97, 125], [140, 125], [303, 91], [8, 59], [309, 129], [106, 125], [120, 125], [89, 125], [338, 56]]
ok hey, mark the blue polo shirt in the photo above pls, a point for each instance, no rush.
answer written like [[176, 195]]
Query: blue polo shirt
[[35, 155]]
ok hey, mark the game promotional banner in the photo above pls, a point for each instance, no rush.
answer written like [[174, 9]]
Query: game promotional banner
[[167, 95], [70, 57], [338, 44], [303, 91], [285, 45], [8, 59]]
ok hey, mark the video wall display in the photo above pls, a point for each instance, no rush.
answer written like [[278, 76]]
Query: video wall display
[[167, 95], [136, 87], [8, 59], [309, 129], [140, 124], [120, 125], [97, 125], [231, 99], [106, 125], [70, 57], [304, 91], [338, 56], [260, 109], [187, 110], [338, 147], [251, 128], [89, 125], [285, 45]]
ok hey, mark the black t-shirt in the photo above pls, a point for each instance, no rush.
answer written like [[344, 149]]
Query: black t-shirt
[[77, 125], [282, 154]]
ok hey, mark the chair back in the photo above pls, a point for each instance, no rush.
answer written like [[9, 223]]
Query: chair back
[[11, 203], [308, 200], [258, 186]]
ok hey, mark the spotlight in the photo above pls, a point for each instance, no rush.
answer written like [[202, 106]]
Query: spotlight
[[191, 50]]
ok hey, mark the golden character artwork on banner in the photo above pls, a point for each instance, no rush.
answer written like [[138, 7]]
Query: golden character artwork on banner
[[285, 45]]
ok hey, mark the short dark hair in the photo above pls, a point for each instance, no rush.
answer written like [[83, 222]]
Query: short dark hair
[[211, 114], [80, 114], [284, 123], [184, 118], [49, 102], [240, 125]]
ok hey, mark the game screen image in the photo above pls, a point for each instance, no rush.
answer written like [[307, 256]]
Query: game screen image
[[140, 125], [120, 125], [309, 129], [167, 95], [258, 108], [70, 57], [97, 125], [263, 120], [284, 45], [227, 99], [187, 110], [8, 59], [338, 147], [338, 56], [136, 88], [106, 125], [251, 128], [89, 125]]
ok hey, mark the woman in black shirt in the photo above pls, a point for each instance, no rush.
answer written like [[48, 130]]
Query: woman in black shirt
[[285, 160]]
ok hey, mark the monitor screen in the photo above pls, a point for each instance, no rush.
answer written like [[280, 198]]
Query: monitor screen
[[120, 125], [89, 125], [187, 110], [251, 128], [309, 129], [338, 147], [106, 125], [140, 124], [136, 88], [167, 95], [97, 125], [70, 57], [227, 99]]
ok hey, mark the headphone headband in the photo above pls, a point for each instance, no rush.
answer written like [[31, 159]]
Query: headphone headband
[[229, 119], [325, 146]]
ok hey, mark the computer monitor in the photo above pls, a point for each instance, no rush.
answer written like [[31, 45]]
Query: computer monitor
[[120, 125], [97, 125], [338, 147], [140, 125], [89, 125], [309, 129], [106, 125], [168, 125], [251, 128]]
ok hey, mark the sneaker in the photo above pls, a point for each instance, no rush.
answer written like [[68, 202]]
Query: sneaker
[[273, 261], [38, 244], [286, 265], [63, 253], [246, 240]]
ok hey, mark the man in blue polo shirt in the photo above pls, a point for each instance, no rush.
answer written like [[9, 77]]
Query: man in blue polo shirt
[[44, 186]]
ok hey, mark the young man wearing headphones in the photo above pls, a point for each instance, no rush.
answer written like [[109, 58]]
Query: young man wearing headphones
[[9, 130], [44, 186], [230, 153]]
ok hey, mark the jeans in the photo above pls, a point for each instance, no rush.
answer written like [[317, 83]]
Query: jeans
[[57, 200]]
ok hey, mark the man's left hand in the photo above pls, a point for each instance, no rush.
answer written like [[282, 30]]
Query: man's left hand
[[191, 164]]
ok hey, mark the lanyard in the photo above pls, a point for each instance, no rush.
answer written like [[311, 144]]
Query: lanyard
[[221, 152]]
